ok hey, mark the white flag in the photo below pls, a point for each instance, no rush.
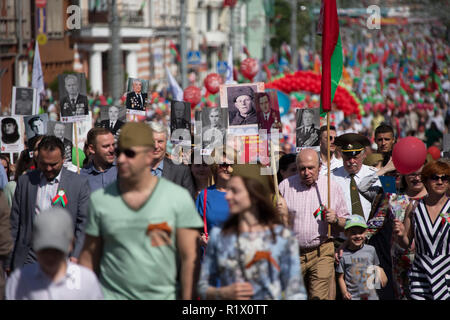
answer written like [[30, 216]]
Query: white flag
[[37, 79], [229, 76], [177, 92]]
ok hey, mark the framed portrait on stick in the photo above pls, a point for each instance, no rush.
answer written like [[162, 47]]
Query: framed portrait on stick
[[25, 101], [74, 103]]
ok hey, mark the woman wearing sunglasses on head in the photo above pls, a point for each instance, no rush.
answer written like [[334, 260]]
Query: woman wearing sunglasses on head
[[428, 224], [253, 255]]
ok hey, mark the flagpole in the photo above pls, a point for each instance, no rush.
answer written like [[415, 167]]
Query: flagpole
[[76, 147], [328, 167]]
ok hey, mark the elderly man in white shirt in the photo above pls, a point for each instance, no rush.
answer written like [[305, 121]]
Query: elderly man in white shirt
[[353, 171]]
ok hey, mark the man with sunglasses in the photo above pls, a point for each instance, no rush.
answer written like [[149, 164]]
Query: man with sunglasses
[[141, 228], [101, 170], [334, 162]]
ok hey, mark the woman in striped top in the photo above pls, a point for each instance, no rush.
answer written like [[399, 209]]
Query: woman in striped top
[[428, 223]]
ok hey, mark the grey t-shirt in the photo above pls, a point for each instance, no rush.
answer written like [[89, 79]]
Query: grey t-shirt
[[359, 272]]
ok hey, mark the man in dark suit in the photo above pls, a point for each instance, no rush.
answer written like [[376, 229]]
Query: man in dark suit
[[162, 166], [74, 104], [49, 186], [136, 99], [307, 134], [113, 124]]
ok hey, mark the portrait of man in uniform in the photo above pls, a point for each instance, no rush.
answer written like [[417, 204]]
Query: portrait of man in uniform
[[74, 102], [137, 95], [308, 127]]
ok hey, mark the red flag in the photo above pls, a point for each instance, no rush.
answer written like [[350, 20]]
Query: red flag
[[332, 60]]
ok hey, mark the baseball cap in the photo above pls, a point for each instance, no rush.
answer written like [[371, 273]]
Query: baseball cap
[[355, 221], [135, 134], [53, 228]]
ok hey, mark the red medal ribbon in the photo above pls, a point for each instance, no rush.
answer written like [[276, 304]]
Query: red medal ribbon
[[60, 196]]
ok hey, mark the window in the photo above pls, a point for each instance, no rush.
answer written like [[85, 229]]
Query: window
[[55, 19]]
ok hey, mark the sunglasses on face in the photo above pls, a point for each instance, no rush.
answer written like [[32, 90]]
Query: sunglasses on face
[[443, 178], [129, 153], [224, 165]]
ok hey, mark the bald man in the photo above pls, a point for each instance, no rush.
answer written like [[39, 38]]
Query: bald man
[[306, 196]]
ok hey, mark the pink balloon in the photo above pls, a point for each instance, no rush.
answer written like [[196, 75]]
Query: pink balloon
[[409, 155]]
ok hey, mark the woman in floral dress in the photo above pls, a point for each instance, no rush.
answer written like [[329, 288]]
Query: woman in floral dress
[[253, 255]]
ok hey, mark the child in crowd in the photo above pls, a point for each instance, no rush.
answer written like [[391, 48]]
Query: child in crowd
[[359, 273]]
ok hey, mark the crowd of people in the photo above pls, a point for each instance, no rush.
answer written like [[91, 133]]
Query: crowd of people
[[137, 224]]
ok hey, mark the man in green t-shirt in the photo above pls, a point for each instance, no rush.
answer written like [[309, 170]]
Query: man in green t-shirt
[[142, 231]]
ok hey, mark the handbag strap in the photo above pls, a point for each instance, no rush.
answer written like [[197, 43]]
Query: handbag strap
[[205, 227]]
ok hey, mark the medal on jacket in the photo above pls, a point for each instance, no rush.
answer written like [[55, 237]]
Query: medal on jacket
[[320, 212], [60, 196]]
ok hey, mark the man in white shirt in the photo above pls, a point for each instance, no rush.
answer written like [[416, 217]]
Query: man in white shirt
[[334, 162]]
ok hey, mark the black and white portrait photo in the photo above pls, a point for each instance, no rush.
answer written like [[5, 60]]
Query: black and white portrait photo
[[239, 100], [63, 131], [307, 128], [11, 134], [35, 125], [180, 117], [74, 102], [136, 95], [214, 127], [241, 105], [24, 101], [112, 118]]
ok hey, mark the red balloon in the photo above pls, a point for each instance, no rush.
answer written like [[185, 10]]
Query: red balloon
[[212, 82], [409, 155], [435, 152], [193, 95], [249, 68]]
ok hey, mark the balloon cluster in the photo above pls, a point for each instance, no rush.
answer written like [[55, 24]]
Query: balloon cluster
[[212, 82], [249, 68], [193, 95], [311, 82]]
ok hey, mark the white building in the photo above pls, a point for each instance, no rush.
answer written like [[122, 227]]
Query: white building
[[149, 28]]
